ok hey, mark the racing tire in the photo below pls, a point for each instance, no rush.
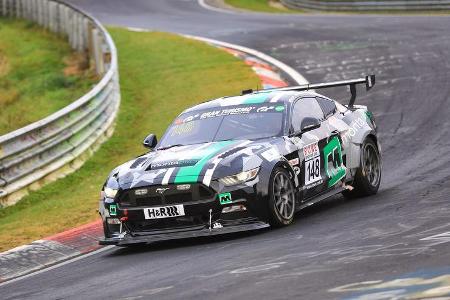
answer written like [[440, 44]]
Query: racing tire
[[367, 178], [281, 198]]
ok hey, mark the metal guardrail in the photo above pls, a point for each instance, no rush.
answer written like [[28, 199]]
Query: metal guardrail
[[58, 144], [369, 5]]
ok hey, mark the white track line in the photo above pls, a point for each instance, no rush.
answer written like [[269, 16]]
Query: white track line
[[296, 76], [205, 5]]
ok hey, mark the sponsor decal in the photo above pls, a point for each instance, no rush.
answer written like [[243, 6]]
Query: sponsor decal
[[279, 108], [333, 161], [180, 124], [311, 151], [164, 212], [270, 154], [141, 192], [113, 210], [161, 190], [225, 198], [173, 164], [314, 184], [183, 187], [227, 111], [265, 108], [294, 162], [354, 127], [312, 165]]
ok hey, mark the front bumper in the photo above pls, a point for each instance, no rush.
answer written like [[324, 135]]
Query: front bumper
[[198, 231]]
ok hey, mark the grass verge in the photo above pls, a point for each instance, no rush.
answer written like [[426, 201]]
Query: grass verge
[[270, 6], [274, 6], [160, 75], [39, 74]]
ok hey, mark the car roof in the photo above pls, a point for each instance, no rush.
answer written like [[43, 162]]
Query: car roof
[[253, 98]]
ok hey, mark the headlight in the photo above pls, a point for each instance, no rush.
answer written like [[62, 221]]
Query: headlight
[[240, 178], [109, 192]]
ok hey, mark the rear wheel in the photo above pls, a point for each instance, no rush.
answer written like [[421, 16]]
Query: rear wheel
[[368, 176], [281, 198]]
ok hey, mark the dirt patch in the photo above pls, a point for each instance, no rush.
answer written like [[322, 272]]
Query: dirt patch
[[8, 96], [77, 64], [277, 4], [4, 65]]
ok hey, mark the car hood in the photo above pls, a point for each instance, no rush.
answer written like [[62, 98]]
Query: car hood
[[193, 163]]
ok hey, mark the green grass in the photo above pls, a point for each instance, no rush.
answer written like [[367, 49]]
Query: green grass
[[274, 6], [160, 75], [261, 6], [32, 80]]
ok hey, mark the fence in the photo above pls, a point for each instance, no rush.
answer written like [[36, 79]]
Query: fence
[[369, 5], [58, 144]]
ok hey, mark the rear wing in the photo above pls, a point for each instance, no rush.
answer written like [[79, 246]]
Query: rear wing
[[369, 81]]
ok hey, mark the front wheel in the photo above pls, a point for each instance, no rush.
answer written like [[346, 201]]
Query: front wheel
[[281, 198], [368, 176]]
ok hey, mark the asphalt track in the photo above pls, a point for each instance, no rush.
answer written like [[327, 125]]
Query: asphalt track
[[403, 232]]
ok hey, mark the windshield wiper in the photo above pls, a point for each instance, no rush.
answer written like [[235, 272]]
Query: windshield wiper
[[170, 146]]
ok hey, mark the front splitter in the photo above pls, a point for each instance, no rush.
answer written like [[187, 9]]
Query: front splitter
[[129, 239]]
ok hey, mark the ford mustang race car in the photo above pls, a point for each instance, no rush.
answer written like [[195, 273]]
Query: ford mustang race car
[[243, 163]]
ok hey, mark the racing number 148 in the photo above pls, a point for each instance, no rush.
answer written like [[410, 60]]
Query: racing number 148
[[312, 170]]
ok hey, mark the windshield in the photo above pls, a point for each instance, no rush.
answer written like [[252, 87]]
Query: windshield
[[230, 123]]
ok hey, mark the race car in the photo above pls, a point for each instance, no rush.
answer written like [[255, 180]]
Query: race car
[[243, 163]]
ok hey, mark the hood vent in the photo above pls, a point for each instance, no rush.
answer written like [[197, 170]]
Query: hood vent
[[137, 162]]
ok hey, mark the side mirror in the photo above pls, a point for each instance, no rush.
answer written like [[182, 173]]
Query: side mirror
[[150, 141], [309, 124]]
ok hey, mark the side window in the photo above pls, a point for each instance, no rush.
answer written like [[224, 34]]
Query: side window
[[303, 108], [328, 106]]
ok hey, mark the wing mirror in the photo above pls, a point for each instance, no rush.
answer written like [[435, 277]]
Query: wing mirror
[[309, 124], [150, 141]]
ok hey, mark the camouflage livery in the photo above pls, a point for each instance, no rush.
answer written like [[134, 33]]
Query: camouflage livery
[[319, 162]]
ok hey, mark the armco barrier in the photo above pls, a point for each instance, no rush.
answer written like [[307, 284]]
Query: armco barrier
[[369, 5], [52, 147]]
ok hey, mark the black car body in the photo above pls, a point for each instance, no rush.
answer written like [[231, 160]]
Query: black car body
[[242, 163]]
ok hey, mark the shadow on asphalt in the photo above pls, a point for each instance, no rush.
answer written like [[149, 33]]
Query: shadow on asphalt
[[302, 219], [184, 243]]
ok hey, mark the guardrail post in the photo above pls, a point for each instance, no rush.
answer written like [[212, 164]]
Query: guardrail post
[[17, 9], [85, 33], [40, 13], [5, 8], [96, 45]]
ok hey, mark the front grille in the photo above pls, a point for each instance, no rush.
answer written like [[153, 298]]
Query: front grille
[[171, 195], [178, 198], [164, 224], [149, 201]]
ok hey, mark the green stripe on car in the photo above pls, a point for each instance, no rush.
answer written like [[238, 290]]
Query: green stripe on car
[[191, 173], [256, 98]]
